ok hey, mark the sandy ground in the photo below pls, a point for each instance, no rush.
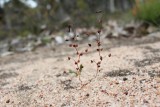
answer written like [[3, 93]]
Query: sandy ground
[[130, 77]]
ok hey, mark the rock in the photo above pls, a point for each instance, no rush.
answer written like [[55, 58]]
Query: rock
[[156, 35], [152, 29], [18, 44], [113, 30], [15, 41], [45, 33], [43, 27], [31, 38], [22, 49], [46, 40], [59, 40], [129, 29], [38, 42], [6, 54], [4, 47], [28, 47], [117, 32], [51, 46], [81, 31], [92, 38], [112, 24], [142, 29], [70, 34]]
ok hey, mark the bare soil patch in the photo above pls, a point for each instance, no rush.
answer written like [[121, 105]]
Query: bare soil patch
[[131, 77]]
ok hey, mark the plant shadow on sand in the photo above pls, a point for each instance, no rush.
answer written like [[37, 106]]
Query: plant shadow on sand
[[8, 75], [125, 72], [119, 73], [4, 76], [147, 61]]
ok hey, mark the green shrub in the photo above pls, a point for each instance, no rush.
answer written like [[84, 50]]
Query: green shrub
[[149, 12]]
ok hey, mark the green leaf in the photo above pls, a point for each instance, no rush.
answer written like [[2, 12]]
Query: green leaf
[[73, 72], [81, 67]]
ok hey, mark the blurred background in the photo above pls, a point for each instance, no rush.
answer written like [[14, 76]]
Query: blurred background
[[25, 24], [21, 17]]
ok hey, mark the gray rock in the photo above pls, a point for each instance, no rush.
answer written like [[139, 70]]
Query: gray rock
[[7, 53], [59, 40], [15, 41], [92, 38], [4, 47]]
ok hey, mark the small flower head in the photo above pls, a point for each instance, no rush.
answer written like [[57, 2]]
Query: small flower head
[[99, 31], [81, 54], [99, 63], [101, 58], [75, 45], [69, 58], [89, 45], [73, 38], [99, 44], [86, 50], [98, 66], [75, 63], [99, 11]]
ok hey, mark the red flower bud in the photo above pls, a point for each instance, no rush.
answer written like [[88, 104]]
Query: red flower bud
[[101, 58], [89, 45], [99, 31], [99, 44], [86, 50], [81, 54], [98, 63], [69, 58]]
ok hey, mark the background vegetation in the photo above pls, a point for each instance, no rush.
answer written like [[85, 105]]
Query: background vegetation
[[148, 11], [19, 19]]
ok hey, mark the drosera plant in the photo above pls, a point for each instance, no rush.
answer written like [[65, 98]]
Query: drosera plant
[[77, 61]]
